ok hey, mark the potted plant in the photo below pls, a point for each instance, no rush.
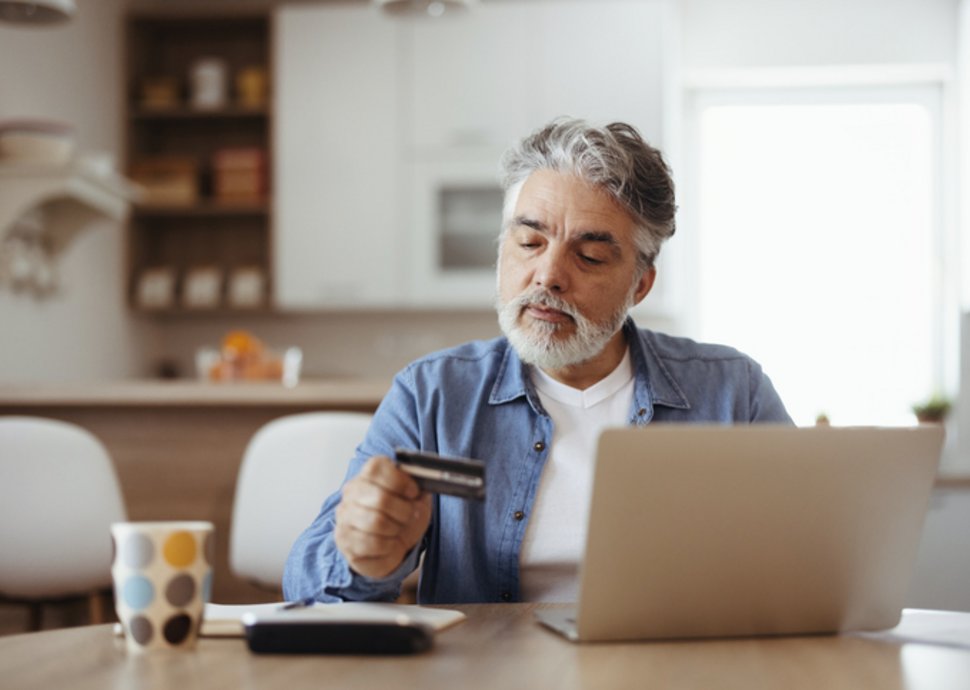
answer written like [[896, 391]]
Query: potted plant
[[933, 410]]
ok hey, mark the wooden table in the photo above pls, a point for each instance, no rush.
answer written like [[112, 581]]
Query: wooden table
[[177, 445], [501, 647]]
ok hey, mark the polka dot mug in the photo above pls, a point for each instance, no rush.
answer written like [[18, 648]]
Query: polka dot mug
[[162, 575]]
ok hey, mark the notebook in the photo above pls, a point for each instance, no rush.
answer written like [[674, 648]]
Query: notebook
[[226, 620], [703, 531]]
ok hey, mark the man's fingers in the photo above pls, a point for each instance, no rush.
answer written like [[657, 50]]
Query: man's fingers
[[362, 495], [360, 545], [381, 471], [381, 515], [365, 519], [369, 554]]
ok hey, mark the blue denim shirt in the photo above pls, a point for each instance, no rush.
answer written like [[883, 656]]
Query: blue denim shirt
[[477, 400]]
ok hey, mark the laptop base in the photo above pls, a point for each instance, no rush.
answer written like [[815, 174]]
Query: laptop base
[[561, 621]]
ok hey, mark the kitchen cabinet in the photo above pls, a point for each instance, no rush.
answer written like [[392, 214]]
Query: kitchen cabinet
[[389, 133], [471, 76], [487, 76], [198, 116], [338, 141]]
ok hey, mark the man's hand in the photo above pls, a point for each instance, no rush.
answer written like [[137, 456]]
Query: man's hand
[[382, 514]]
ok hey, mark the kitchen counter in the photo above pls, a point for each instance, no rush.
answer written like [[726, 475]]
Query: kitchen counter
[[325, 394], [177, 445]]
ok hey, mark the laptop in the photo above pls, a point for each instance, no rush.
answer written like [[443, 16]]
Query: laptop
[[730, 531]]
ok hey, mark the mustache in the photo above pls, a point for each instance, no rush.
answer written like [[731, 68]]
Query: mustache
[[541, 297]]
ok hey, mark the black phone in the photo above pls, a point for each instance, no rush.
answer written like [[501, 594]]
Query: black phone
[[294, 634]]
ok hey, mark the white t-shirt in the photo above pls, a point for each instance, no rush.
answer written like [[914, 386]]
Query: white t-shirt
[[556, 532]]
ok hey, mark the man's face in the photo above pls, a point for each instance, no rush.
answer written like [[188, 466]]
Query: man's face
[[567, 271]]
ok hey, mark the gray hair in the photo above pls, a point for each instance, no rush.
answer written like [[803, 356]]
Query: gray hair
[[614, 158]]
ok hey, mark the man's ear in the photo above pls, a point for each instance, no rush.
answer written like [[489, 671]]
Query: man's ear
[[644, 285]]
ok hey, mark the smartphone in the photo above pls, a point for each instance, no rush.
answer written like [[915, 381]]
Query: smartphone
[[294, 634]]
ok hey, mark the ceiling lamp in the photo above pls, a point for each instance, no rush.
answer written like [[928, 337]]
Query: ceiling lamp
[[37, 11], [431, 8]]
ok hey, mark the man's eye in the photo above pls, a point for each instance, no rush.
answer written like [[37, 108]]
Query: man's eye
[[591, 260], [528, 245]]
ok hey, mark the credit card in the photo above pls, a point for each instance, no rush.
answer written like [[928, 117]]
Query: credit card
[[462, 477]]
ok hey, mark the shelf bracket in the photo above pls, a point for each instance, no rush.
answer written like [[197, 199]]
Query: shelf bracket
[[41, 211]]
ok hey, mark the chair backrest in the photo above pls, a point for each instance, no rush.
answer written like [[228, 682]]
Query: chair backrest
[[58, 497], [289, 468]]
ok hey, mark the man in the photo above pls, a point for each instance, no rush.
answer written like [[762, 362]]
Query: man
[[586, 210]]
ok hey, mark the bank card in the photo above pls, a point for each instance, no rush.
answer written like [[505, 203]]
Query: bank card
[[462, 477]]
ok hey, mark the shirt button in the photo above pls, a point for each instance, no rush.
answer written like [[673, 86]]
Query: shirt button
[[539, 446], [642, 411], [518, 515], [506, 596]]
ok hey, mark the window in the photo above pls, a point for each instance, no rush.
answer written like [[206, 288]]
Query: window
[[819, 243]]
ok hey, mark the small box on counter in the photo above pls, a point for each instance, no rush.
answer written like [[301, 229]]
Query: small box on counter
[[239, 174], [167, 179]]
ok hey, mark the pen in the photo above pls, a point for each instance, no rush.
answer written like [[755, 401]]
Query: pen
[[299, 604]]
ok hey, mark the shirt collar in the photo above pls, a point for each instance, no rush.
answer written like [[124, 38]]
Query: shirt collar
[[654, 384], [551, 389], [513, 381]]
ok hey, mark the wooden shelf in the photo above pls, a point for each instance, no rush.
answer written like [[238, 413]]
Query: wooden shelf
[[23, 187], [180, 312], [167, 47], [203, 209], [138, 114]]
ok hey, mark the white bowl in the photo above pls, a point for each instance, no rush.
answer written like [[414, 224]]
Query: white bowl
[[35, 147]]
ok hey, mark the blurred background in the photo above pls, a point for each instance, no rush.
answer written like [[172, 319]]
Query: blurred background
[[816, 148], [179, 180]]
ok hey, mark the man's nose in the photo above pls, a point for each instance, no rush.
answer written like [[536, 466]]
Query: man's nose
[[552, 272]]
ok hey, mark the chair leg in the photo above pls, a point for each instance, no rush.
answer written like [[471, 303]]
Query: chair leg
[[36, 619], [96, 608]]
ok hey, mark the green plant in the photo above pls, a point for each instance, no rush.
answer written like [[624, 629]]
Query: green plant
[[934, 409]]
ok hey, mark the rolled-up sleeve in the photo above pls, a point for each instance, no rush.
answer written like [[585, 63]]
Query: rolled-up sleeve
[[315, 567]]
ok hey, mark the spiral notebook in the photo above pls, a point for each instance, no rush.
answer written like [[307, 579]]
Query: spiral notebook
[[223, 620]]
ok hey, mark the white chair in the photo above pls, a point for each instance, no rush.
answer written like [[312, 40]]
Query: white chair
[[58, 497], [289, 468]]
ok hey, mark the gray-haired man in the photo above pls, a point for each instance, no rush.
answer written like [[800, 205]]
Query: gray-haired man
[[586, 210]]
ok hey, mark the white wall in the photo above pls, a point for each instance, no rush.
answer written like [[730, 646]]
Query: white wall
[[752, 33], [71, 72]]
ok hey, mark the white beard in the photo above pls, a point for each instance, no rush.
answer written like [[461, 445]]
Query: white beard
[[537, 344]]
